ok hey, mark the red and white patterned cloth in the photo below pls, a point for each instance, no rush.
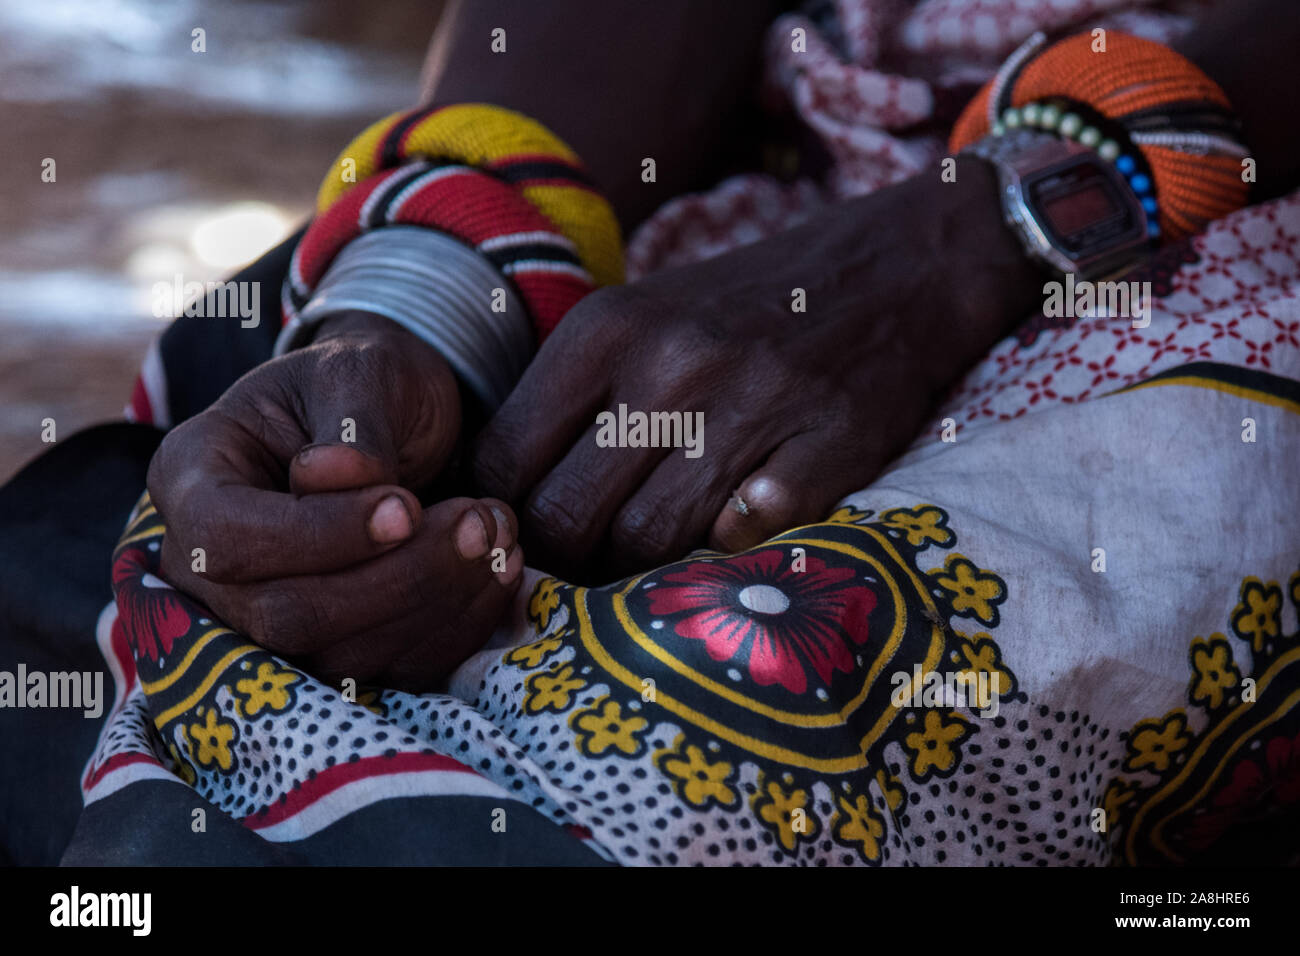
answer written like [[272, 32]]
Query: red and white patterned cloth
[[878, 83]]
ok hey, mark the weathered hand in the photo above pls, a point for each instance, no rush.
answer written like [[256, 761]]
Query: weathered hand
[[799, 408], [297, 487]]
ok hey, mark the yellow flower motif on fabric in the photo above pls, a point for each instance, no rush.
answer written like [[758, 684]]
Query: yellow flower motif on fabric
[[213, 738], [552, 690], [787, 813], [269, 690], [974, 593], [1259, 615], [1154, 742], [1214, 673], [891, 788], [980, 655], [369, 699], [183, 768], [1295, 590], [933, 747], [543, 603], [923, 525], [603, 728], [857, 824], [1117, 794], [532, 655], [697, 780], [846, 515]]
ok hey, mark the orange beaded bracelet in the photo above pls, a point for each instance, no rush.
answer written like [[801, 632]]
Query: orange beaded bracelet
[[1175, 116]]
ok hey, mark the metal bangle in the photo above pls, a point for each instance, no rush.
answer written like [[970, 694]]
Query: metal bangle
[[436, 287]]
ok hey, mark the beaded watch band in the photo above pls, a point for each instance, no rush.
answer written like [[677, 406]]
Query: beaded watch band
[[1168, 127]]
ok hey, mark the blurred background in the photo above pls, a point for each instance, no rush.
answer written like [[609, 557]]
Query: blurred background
[[167, 161]]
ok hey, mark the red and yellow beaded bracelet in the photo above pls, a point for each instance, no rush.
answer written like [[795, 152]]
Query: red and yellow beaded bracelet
[[494, 179]]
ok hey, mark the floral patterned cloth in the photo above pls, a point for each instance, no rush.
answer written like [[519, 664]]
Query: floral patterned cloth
[[1098, 528]]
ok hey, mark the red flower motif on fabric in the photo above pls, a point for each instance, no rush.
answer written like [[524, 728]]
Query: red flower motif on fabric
[[151, 617], [756, 608], [1252, 784], [1253, 789]]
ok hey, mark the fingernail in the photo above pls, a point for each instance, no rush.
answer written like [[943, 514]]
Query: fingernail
[[390, 521], [471, 536], [503, 523], [306, 454]]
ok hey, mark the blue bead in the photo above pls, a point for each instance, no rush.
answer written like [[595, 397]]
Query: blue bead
[[1149, 204], [1153, 230], [1140, 183], [1126, 165]]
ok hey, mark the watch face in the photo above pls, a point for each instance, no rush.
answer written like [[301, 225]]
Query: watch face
[[1074, 212], [1081, 207]]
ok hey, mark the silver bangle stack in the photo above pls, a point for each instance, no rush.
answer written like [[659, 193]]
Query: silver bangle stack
[[439, 289]]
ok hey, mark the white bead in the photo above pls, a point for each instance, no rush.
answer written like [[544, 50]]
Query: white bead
[[1050, 118], [1108, 150], [1032, 114], [1011, 119], [1090, 136], [1071, 123]]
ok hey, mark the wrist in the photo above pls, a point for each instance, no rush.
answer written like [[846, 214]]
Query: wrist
[[983, 283], [357, 322], [995, 281]]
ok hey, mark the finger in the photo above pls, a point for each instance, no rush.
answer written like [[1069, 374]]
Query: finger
[[507, 526], [212, 487], [330, 467], [450, 629], [553, 404], [570, 510], [352, 441], [798, 484], [675, 507], [434, 657], [246, 534], [435, 573]]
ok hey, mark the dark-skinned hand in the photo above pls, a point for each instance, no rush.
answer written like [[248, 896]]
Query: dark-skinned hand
[[316, 547], [904, 289]]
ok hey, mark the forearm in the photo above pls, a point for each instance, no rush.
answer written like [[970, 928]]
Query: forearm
[[1249, 48], [620, 82]]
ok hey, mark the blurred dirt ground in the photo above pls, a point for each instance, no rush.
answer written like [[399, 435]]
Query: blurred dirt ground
[[151, 141]]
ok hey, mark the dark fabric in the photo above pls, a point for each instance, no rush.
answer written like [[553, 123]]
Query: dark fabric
[[60, 518], [153, 823]]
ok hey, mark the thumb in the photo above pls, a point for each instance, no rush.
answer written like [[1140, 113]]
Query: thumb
[[352, 446]]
